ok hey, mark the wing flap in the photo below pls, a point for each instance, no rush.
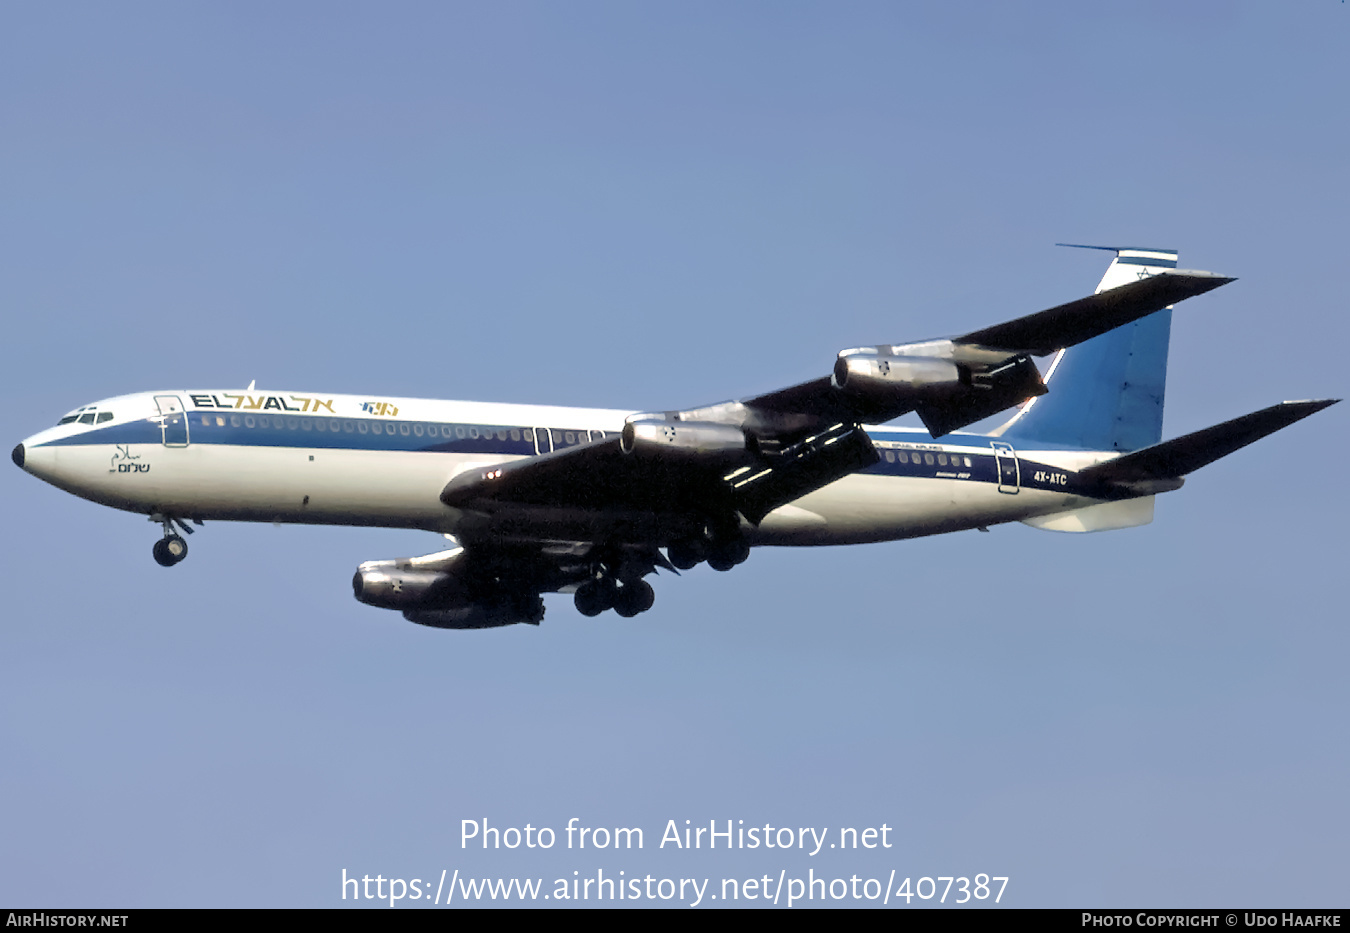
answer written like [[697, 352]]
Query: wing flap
[[804, 467], [990, 393]]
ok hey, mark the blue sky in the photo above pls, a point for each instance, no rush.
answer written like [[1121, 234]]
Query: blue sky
[[654, 206]]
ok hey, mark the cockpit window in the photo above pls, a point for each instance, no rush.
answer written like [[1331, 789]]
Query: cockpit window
[[89, 414]]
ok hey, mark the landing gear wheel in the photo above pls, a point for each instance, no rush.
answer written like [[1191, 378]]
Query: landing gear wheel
[[727, 553], [686, 554], [587, 601], [596, 596], [634, 598], [169, 550]]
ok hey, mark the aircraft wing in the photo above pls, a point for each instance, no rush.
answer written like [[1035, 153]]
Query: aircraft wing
[[658, 480], [1068, 324], [954, 382], [669, 474]]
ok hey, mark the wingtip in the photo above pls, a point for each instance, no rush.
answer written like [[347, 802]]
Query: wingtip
[[1217, 278], [1297, 410], [1195, 282]]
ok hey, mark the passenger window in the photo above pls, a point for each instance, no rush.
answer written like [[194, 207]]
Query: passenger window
[[249, 422], [928, 459], [890, 456], [942, 459], [967, 459], [418, 430], [904, 457], [571, 437], [515, 434], [376, 428]]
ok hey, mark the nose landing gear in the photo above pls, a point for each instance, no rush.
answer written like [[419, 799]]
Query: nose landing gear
[[169, 550], [172, 548]]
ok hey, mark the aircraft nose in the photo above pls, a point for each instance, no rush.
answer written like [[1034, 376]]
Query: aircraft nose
[[17, 455]]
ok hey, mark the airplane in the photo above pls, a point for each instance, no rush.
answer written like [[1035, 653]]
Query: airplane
[[541, 499]]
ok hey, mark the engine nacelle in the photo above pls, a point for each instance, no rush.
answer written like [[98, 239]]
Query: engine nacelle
[[530, 611], [382, 583], [879, 376], [692, 437], [430, 591]]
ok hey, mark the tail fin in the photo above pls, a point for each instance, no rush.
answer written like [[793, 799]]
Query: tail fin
[[1106, 393]]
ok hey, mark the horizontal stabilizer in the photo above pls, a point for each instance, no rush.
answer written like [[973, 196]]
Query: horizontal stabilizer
[[1069, 324], [1178, 457]]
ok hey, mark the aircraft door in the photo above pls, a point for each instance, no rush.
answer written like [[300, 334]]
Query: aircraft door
[[173, 421], [1009, 474], [543, 440]]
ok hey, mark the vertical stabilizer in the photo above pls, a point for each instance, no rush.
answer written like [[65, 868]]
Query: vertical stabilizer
[[1106, 393]]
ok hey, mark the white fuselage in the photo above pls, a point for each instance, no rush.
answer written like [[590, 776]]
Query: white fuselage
[[346, 460]]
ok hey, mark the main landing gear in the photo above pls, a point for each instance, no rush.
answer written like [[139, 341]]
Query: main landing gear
[[627, 599], [172, 548], [616, 583], [722, 548]]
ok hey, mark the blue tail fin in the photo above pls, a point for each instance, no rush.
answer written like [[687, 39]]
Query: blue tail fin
[[1106, 393]]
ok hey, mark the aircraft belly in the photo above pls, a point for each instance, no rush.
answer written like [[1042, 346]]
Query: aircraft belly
[[863, 508]]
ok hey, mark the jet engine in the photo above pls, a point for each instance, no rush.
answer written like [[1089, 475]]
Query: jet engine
[[379, 583], [529, 610], [693, 437], [431, 591], [874, 375]]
